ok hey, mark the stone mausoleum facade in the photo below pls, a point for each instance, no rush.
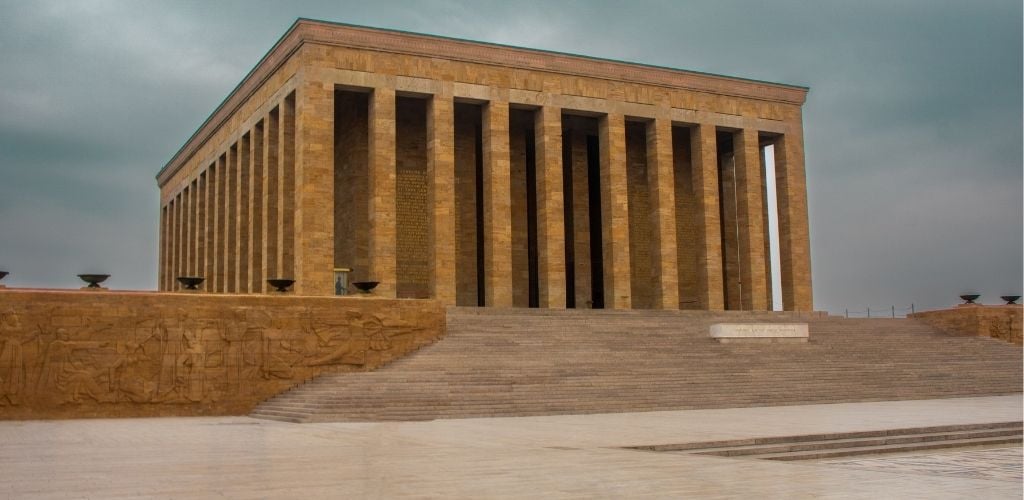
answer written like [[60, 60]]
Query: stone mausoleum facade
[[481, 174]]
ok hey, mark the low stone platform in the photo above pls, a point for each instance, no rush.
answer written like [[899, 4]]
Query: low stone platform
[[569, 456]]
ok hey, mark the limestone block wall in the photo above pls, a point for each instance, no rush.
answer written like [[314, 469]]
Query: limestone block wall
[[998, 322], [72, 354]]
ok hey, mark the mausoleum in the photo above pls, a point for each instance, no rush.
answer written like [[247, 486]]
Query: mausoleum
[[483, 174]]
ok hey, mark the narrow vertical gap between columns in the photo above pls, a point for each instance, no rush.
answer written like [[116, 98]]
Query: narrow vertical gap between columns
[[481, 268], [533, 280], [568, 226]]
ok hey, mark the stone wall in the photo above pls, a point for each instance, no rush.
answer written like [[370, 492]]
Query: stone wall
[[999, 322], [70, 354]]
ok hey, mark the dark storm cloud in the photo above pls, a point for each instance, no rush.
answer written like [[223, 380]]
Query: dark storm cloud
[[913, 123]]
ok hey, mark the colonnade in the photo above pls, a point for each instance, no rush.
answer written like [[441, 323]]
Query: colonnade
[[265, 208]]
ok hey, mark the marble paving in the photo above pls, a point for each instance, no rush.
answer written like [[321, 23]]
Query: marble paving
[[1003, 464], [575, 456]]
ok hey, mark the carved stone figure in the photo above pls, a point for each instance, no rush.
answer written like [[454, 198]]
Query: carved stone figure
[[12, 359]]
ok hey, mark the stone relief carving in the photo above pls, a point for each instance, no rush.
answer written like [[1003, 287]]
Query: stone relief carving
[[180, 355], [76, 357]]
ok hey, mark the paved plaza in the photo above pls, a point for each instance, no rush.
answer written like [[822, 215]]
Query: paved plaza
[[575, 456], [556, 457]]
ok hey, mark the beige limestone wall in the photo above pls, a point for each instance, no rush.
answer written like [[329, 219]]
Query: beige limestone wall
[[72, 354], [999, 322]]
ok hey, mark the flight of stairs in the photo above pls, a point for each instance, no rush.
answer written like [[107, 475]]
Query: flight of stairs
[[520, 362], [824, 446]]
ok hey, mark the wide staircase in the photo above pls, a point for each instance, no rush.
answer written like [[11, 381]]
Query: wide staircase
[[516, 362]]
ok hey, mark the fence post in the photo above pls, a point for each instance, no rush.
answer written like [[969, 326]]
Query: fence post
[[847, 313], [911, 308], [893, 312], [869, 312]]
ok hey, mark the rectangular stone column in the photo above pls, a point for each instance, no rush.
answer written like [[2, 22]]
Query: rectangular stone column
[[704, 145], [441, 195], [201, 227], [244, 206], [193, 230], [162, 249], [211, 211], [383, 257], [256, 212], [173, 244], [750, 200], [314, 188], [286, 189], [794, 235], [220, 234], [615, 212], [550, 207], [661, 185], [497, 206], [231, 222]]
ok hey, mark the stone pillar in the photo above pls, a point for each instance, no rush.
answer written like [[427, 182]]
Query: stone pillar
[[172, 244], [550, 207], [271, 222], [201, 216], [750, 200], [220, 234], [208, 241], [794, 236], [231, 222], [193, 231], [497, 206], [162, 249], [243, 223], [615, 212], [704, 145], [256, 179], [383, 256], [286, 190], [661, 186], [441, 195], [313, 231]]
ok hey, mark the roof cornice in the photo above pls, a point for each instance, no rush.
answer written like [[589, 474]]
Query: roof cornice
[[417, 44]]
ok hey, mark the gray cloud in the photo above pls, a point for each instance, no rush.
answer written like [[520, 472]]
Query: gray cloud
[[913, 124]]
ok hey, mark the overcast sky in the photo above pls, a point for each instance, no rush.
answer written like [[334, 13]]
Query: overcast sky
[[913, 122]]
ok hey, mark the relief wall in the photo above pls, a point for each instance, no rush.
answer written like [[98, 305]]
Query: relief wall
[[108, 354]]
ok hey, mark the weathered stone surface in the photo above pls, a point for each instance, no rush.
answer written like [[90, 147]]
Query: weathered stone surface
[[120, 354]]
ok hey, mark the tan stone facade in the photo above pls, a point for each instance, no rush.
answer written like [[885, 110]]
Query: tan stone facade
[[479, 174], [999, 322]]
